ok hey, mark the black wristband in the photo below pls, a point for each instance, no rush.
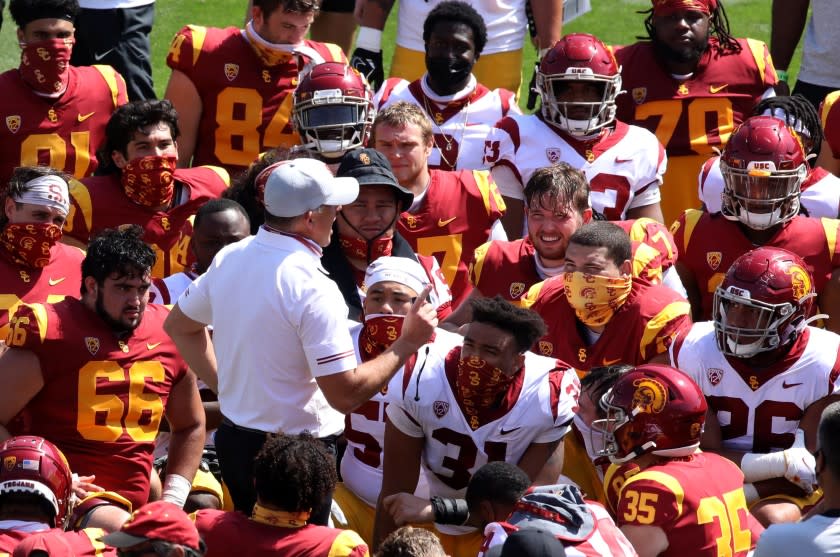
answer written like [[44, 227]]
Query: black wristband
[[448, 510]]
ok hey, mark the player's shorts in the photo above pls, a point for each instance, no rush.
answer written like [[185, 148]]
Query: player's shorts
[[339, 6], [494, 71], [352, 513], [679, 186], [804, 504]]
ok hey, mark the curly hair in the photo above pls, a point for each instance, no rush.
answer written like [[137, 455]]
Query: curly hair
[[525, 325], [120, 251], [718, 23], [499, 482], [559, 183], [128, 120], [294, 472], [23, 175], [797, 109], [26, 11], [455, 11], [410, 542]]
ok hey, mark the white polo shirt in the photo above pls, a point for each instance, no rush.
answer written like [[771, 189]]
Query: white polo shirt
[[278, 322]]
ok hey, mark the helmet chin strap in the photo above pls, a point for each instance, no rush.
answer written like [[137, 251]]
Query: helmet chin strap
[[637, 451], [372, 240]]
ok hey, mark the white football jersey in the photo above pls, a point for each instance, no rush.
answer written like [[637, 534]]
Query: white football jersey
[[758, 413], [459, 136], [453, 451], [624, 169], [505, 21], [606, 539], [364, 429], [821, 198]]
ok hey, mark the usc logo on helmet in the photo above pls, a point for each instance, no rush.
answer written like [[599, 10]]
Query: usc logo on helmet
[[650, 396], [800, 281]]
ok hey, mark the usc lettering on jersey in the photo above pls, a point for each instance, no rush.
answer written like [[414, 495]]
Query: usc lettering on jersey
[[454, 218], [62, 133], [698, 502], [453, 451], [649, 321], [820, 190], [102, 398], [246, 106], [691, 117], [61, 277], [759, 410], [709, 244], [99, 202], [460, 127], [624, 166]]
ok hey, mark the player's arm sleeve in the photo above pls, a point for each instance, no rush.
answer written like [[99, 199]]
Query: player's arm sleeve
[[185, 49], [565, 392], [673, 320], [500, 155], [830, 119], [80, 220], [402, 415], [117, 89], [764, 64], [477, 264]]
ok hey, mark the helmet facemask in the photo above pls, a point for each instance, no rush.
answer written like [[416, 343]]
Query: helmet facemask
[[761, 198], [614, 431], [332, 123], [578, 118]]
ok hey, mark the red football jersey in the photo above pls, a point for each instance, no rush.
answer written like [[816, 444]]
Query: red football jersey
[[649, 321], [504, 268], [229, 533], [709, 244], [694, 116], [102, 399], [63, 133], [454, 218], [698, 501], [61, 277], [99, 202], [82, 543], [246, 106]]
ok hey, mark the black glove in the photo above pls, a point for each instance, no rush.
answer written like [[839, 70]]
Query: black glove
[[369, 64], [532, 88]]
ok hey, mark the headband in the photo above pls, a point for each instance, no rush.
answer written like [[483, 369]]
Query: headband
[[49, 191]]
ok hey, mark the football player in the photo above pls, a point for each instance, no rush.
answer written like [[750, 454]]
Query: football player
[[579, 80], [597, 313], [461, 109], [365, 230], [138, 183], [96, 374], [391, 285], [232, 87], [763, 166], [557, 205], [767, 376], [453, 212], [35, 498], [498, 493], [820, 189], [463, 404], [55, 113], [501, 63], [35, 267], [829, 157], [681, 501], [333, 111], [691, 83]]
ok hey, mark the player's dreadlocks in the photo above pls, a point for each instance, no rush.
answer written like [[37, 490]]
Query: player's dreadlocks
[[294, 472], [118, 250], [718, 22], [797, 109]]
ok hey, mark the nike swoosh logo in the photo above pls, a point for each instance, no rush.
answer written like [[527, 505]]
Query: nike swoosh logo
[[718, 89], [442, 223], [99, 56], [611, 362], [620, 160], [505, 432], [786, 385], [83, 117], [53, 281], [152, 345]]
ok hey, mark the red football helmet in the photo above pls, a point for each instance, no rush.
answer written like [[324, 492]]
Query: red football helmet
[[579, 58], [33, 465], [651, 409], [333, 109], [763, 166], [763, 303]]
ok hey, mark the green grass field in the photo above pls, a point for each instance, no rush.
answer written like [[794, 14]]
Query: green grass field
[[614, 21]]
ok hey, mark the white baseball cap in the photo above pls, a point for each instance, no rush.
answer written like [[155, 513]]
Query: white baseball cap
[[301, 185], [402, 270]]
